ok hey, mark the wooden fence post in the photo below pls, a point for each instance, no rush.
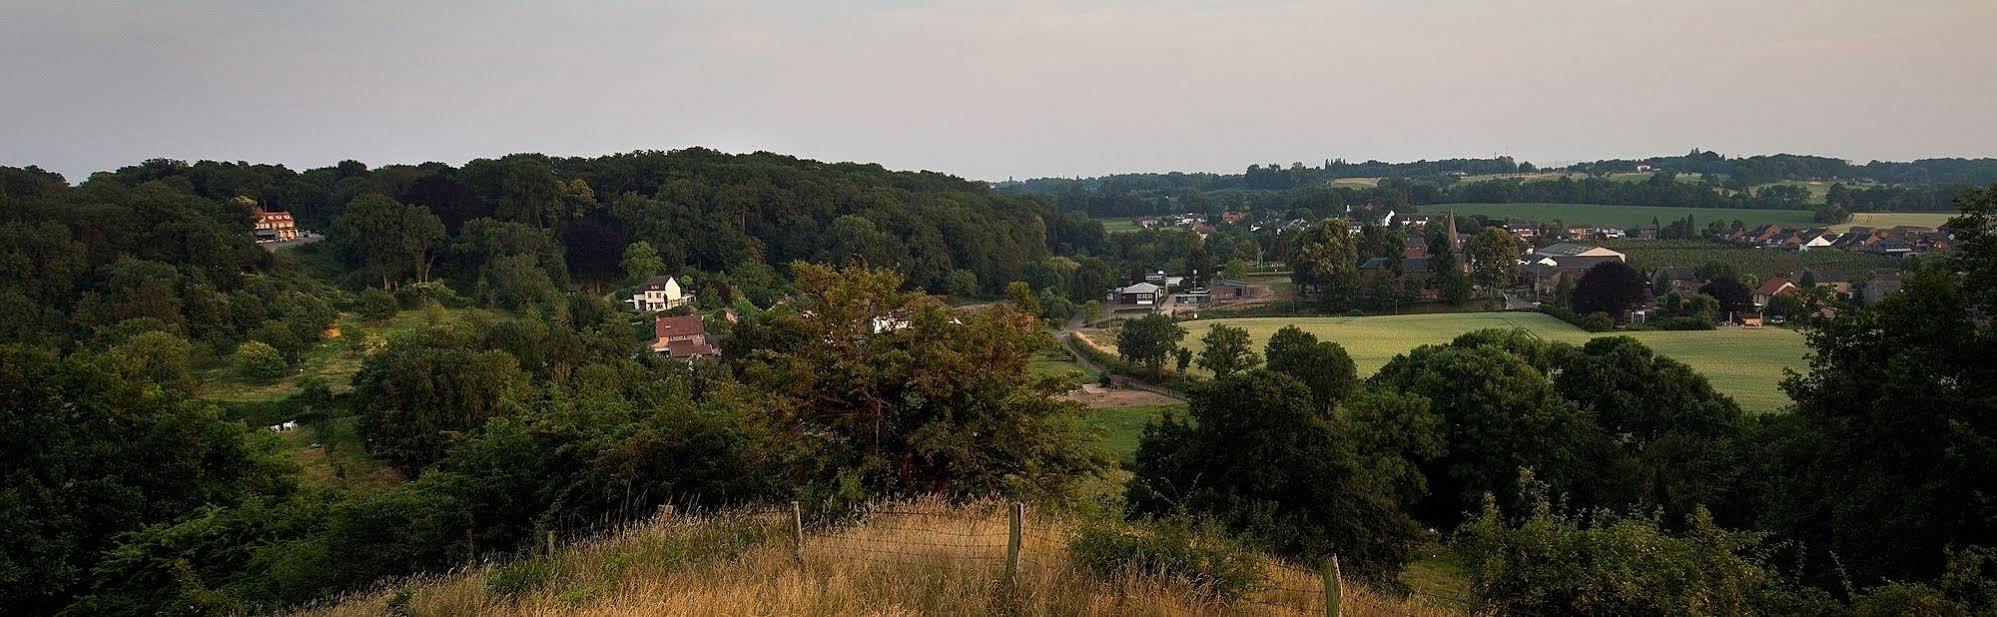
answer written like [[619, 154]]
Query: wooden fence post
[[797, 528], [471, 550], [1333, 595], [551, 544], [1018, 512]]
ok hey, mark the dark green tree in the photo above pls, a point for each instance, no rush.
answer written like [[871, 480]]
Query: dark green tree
[[1226, 350]]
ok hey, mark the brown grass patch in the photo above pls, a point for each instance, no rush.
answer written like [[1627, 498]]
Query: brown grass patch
[[909, 558]]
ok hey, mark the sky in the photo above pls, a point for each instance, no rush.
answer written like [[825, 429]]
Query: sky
[[991, 90]]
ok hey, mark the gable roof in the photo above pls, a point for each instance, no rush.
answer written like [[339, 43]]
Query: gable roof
[[1140, 288], [1774, 286], [679, 326], [1573, 249], [660, 282]]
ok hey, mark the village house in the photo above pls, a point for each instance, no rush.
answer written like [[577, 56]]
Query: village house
[[1682, 280], [683, 338], [659, 293], [1546, 270], [274, 225], [1772, 287], [1878, 288]]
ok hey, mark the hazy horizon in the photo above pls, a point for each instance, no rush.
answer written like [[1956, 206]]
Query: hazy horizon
[[990, 90]]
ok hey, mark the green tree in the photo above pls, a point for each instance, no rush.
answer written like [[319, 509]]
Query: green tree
[[1324, 262], [943, 402], [260, 361], [418, 392], [389, 239], [1611, 287], [1148, 339], [1227, 350], [91, 454], [1493, 255], [1322, 366], [1262, 459], [641, 262]]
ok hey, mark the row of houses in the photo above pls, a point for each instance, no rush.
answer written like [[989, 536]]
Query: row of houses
[[1899, 240]]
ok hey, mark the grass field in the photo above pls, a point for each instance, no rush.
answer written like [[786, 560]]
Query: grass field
[[1119, 225], [1890, 219], [1746, 364], [1124, 426], [340, 461], [1622, 216], [334, 359]]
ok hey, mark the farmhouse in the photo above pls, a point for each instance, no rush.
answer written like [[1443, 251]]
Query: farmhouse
[[683, 338], [659, 293]]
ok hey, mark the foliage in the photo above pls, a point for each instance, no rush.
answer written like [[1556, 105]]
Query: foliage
[[1891, 421], [1148, 339], [1324, 262], [1322, 366], [1227, 350], [1493, 255], [1600, 563], [259, 361], [91, 452], [1261, 459], [1204, 559], [391, 240], [1611, 287], [423, 388], [378, 305], [878, 391]]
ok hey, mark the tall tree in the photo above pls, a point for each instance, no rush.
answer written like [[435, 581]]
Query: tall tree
[[1148, 339], [1611, 287], [1494, 256], [1324, 262], [1227, 350], [1322, 366]]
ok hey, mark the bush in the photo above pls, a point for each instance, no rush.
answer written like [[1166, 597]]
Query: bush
[[519, 578], [421, 294], [259, 361], [378, 305], [1683, 323], [1598, 322], [1202, 558]]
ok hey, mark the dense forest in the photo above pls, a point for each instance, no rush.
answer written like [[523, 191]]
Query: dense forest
[[1600, 479], [1750, 182]]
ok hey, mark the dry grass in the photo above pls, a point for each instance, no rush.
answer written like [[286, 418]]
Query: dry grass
[[921, 558]]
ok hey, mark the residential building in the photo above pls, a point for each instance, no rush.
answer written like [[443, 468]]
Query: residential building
[[1570, 249], [683, 338], [659, 293], [273, 225], [1771, 288]]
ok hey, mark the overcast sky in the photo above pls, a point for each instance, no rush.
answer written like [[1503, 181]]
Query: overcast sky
[[990, 89]]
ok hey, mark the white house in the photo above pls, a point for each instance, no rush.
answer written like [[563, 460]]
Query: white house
[[659, 293]]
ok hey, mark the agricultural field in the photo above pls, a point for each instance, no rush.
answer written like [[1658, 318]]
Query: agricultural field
[[1648, 255], [1891, 219], [1746, 364], [1119, 225], [1622, 216]]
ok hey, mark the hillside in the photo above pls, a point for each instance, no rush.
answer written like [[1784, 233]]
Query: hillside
[[920, 558]]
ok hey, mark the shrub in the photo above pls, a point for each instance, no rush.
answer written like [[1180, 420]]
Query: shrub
[[378, 305], [1598, 322], [259, 361], [519, 578], [1684, 323], [1174, 548], [421, 294]]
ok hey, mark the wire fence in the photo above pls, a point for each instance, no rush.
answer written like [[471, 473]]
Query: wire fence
[[999, 541]]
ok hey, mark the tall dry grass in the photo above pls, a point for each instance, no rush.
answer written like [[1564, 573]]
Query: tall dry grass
[[906, 558]]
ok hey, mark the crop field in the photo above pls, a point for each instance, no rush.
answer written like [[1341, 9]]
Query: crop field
[[1746, 364], [1623, 216], [1762, 263], [1890, 219]]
